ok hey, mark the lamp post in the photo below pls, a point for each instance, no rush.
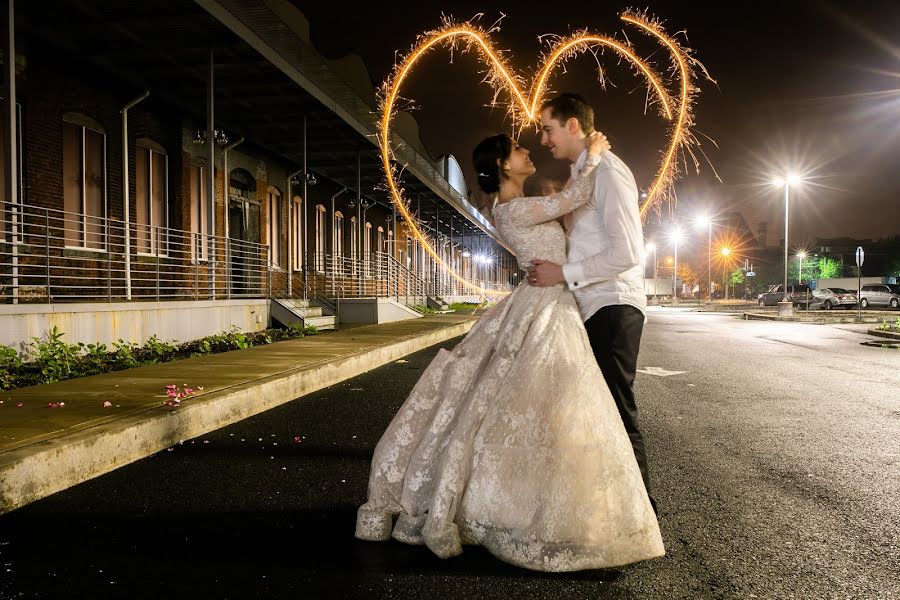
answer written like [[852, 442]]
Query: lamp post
[[706, 220], [726, 252], [786, 308], [651, 247], [800, 256], [675, 236]]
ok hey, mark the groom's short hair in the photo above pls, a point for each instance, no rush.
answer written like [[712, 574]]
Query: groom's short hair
[[571, 106]]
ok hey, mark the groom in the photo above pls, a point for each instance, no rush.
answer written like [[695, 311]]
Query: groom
[[604, 268]]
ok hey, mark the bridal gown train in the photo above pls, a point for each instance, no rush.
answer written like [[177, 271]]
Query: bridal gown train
[[512, 440]]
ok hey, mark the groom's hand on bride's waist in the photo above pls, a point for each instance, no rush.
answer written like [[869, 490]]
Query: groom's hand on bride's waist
[[544, 273]]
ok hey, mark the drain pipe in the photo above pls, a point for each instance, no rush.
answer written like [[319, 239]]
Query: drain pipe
[[8, 81], [126, 196], [211, 190], [303, 254], [291, 232]]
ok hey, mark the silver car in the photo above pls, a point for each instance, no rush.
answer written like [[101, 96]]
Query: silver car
[[829, 298], [879, 295]]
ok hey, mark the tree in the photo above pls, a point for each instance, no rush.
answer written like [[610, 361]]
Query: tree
[[893, 266], [828, 268], [735, 277], [688, 275]]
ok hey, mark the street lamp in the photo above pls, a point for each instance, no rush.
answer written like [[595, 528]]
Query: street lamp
[[705, 220], [726, 252], [651, 247], [800, 256], [787, 182], [675, 236]]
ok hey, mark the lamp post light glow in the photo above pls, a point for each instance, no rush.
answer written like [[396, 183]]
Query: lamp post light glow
[[675, 236], [726, 252], [651, 247], [800, 256], [705, 220], [787, 182]]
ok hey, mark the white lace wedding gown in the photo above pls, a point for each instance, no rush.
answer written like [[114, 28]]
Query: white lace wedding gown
[[513, 440]]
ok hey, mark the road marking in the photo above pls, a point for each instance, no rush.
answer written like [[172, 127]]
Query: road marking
[[659, 372]]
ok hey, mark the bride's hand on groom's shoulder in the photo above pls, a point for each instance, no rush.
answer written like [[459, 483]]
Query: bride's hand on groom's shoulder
[[596, 143]]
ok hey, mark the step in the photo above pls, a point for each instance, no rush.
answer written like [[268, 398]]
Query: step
[[323, 322]]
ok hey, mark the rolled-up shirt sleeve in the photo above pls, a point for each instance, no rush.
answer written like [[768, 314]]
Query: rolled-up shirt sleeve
[[616, 197]]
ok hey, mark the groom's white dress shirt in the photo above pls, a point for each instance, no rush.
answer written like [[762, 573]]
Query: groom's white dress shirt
[[606, 242]]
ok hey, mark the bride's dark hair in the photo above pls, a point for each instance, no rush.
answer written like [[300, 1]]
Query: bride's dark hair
[[486, 158]]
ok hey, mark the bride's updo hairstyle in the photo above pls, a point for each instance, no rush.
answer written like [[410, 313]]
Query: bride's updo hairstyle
[[487, 157]]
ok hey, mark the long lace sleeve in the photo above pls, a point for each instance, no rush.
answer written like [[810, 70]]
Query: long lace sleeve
[[539, 209]]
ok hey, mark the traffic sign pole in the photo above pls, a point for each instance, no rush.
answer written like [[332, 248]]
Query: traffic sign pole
[[860, 257]]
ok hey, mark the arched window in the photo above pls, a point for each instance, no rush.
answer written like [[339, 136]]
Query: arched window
[[200, 212], [367, 249], [274, 228], [151, 197], [379, 249], [84, 181], [297, 234], [244, 222], [338, 233], [321, 238]]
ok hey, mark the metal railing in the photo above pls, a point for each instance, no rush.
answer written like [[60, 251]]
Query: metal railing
[[49, 255], [381, 275]]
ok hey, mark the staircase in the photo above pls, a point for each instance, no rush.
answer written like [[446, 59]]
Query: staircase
[[438, 303], [290, 311]]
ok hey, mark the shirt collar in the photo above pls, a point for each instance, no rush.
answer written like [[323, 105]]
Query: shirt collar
[[579, 164]]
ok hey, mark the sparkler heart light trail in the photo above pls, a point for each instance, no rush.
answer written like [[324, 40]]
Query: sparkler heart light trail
[[501, 77]]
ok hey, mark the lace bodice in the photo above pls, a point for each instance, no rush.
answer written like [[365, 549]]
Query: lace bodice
[[529, 224]]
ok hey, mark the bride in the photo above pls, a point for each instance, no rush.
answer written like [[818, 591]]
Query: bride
[[512, 440]]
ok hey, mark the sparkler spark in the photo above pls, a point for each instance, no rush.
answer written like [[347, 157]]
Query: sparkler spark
[[501, 77]]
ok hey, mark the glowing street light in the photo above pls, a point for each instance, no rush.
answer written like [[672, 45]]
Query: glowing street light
[[800, 256], [675, 236], [726, 252], [787, 182], [651, 247], [705, 220]]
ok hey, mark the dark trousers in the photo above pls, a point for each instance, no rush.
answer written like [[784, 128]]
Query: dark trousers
[[615, 336]]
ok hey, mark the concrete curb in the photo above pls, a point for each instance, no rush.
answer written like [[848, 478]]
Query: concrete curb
[[819, 319], [38, 470], [894, 335]]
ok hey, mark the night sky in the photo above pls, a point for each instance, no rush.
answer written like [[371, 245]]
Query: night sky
[[812, 87]]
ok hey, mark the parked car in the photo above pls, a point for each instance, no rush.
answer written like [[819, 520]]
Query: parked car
[[799, 293], [835, 297], [880, 295]]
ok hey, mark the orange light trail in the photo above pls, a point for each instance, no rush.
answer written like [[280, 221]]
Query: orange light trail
[[500, 76], [676, 138]]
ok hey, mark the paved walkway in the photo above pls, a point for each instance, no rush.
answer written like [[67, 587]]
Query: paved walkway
[[44, 449]]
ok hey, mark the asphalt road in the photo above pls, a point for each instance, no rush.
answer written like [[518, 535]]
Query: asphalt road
[[773, 447]]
